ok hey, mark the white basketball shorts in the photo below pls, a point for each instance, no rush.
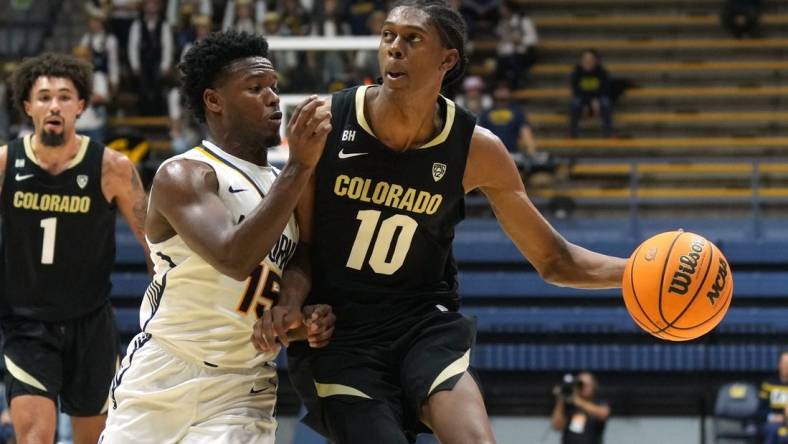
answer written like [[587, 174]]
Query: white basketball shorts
[[159, 398]]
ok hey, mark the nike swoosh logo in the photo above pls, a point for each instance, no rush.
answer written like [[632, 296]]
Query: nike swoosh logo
[[232, 190], [21, 178], [271, 387], [344, 155]]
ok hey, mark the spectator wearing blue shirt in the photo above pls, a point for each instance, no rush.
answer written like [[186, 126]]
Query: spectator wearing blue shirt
[[779, 435], [508, 121], [591, 91]]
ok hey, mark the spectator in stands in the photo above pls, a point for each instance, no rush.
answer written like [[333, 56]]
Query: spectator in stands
[[357, 12], [578, 414], [508, 121], [591, 91], [5, 100], [103, 45], [296, 18], [480, 15], [742, 17], [122, 14], [367, 60], [333, 64], [779, 435], [93, 120], [151, 40], [176, 9], [516, 48], [244, 15], [774, 397], [473, 97]]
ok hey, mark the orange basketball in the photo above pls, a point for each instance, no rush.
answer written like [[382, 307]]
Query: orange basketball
[[677, 286]]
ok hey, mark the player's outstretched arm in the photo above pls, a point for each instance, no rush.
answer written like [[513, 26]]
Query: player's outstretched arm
[[121, 182], [491, 169]]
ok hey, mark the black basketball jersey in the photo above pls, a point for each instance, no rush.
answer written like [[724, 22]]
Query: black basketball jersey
[[58, 236], [384, 221]]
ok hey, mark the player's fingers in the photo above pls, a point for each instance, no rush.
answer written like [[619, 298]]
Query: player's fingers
[[322, 339], [280, 325], [268, 336], [297, 113], [257, 333], [306, 115]]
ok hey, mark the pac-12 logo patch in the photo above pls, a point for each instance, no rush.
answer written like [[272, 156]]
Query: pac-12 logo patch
[[82, 181], [438, 170]]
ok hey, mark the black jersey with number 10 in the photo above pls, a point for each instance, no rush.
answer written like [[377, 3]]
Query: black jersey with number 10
[[58, 236], [384, 220]]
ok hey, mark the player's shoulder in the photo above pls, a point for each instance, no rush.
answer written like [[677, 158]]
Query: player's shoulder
[[3, 157], [485, 143], [184, 175], [115, 163]]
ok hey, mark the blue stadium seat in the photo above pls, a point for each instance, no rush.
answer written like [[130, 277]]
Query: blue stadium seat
[[626, 357], [610, 320], [528, 284]]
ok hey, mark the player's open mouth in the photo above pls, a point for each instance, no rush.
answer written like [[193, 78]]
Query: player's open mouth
[[395, 75], [276, 116], [53, 124]]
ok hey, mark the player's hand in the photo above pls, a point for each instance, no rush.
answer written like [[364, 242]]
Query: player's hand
[[307, 130], [319, 321], [275, 324], [263, 337]]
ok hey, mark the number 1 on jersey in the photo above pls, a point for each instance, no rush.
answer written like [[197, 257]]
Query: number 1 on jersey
[[48, 246], [381, 261]]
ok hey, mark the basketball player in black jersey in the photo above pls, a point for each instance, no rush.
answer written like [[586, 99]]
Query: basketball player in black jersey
[[388, 192], [60, 192]]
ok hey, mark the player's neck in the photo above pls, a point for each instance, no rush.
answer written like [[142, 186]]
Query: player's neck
[[54, 159], [403, 121], [239, 149]]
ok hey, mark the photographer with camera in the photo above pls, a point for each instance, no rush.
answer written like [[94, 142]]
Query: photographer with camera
[[577, 412]]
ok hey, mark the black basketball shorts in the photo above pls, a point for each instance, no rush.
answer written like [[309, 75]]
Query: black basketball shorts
[[74, 360], [398, 365]]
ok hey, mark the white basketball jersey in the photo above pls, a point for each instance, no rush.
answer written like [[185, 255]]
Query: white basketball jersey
[[197, 311]]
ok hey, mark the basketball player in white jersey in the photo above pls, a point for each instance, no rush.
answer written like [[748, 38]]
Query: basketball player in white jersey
[[221, 230]]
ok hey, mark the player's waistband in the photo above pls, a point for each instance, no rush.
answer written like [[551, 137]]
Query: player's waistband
[[171, 347]]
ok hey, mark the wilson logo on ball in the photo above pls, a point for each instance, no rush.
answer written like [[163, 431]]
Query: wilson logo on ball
[[682, 278]]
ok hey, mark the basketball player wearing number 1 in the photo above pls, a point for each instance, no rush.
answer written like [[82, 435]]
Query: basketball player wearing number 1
[[60, 192], [388, 193]]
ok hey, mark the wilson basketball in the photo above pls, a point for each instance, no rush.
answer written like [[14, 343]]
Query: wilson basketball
[[677, 286]]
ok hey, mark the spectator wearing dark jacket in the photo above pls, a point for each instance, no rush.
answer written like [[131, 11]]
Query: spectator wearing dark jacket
[[591, 91]]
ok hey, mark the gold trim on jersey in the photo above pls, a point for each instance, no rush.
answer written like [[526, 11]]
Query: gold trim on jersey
[[453, 369], [83, 149], [21, 375], [440, 138], [326, 390], [237, 170]]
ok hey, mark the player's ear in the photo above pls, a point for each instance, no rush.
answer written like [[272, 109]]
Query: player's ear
[[27, 108], [212, 100], [450, 58]]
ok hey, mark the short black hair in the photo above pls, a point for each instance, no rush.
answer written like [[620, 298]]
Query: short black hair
[[208, 59], [452, 29], [62, 66]]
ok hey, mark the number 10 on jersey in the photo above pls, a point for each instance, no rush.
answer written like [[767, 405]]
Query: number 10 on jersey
[[397, 230]]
